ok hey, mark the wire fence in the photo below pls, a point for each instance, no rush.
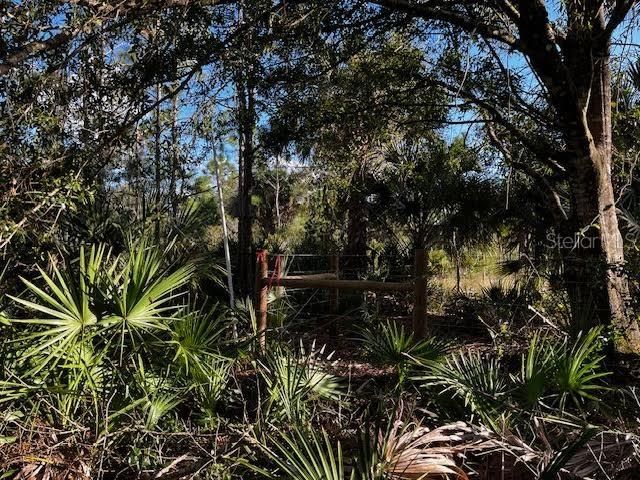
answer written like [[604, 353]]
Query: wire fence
[[477, 299], [310, 310]]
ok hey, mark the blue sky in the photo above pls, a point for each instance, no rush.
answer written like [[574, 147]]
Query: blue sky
[[623, 54]]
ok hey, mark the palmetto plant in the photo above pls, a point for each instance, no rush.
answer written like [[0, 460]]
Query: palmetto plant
[[551, 370], [561, 370], [198, 336], [159, 396], [479, 380], [403, 450], [295, 381], [307, 456], [89, 316], [247, 319], [537, 368], [103, 297], [143, 292], [390, 344], [209, 390], [84, 374], [158, 405], [399, 451], [68, 317], [578, 368], [505, 301]]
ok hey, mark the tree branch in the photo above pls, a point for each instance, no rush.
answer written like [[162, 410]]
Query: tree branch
[[618, 14], [31, 49], [541, 180], [546, 155], [432, 11], [103, 11]]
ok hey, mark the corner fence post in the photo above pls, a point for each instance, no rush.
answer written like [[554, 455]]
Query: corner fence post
[[333, 292], [261, 296], [419, 295]]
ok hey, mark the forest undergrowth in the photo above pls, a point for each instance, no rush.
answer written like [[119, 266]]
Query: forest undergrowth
[[116, 366]]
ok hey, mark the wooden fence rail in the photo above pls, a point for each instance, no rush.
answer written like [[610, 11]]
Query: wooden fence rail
[[331, 281]]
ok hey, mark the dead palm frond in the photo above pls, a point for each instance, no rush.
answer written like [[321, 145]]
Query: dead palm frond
[[610, 452], [410, 451]]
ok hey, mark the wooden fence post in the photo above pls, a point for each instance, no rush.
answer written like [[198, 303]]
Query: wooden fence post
[[419, 295], [277, 273], [333, 293], [261, 296]]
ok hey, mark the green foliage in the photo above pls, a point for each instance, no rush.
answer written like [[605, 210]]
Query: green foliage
[[281, 203], [563, 370], [159, 397], [551, 372], [109, 113], [295, 383], [579, 368], [104, 328], [209, 390], [397, 450], [478, 380], [307, 456], [439, 261], [537, 368], [106, 302], [432, 191], [143, 292], [69, 318], [388, 343], [506, 301], [197, 336]]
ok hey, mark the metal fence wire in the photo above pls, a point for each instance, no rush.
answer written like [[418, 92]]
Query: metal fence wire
[[476, 298]]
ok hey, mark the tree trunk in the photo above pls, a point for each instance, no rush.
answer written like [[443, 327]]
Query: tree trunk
[[246, 107], [594, 265], [245, 79], [173, 167], [456, 254], [355, 261], [225, 232], [157, 166], [595, 268], [243, 286], [277, 195]]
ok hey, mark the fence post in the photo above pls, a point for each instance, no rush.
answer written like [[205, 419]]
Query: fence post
[[277, 274], [333, 293], [261, 296], [419, 295]]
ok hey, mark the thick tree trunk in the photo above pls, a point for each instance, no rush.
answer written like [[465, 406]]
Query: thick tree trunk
[[569, 52], [595, 273], [584, 252], [594, 265], [245, 86]]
